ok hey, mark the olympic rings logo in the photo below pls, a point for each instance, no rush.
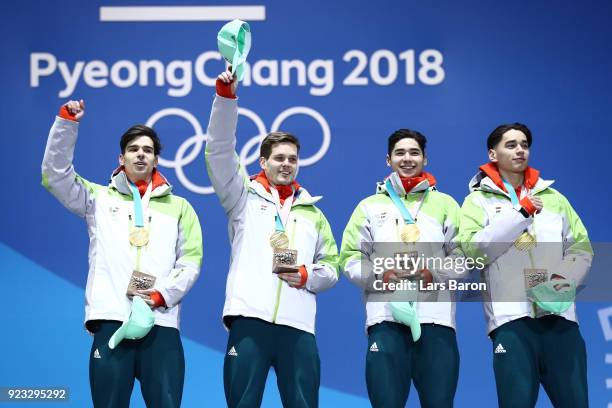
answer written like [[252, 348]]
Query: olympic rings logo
[[249, 152]]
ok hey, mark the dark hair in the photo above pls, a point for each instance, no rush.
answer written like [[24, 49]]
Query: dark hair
[[496, 135], [407, 134], [274, 138], [135, 132]]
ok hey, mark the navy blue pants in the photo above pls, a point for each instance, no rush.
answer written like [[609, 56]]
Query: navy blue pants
[[156, 360], [253, 347], [394, 360], [549, 351]]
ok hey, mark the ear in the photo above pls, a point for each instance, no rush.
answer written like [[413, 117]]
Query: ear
[[425, 161], [262, 163], [155, 161], [388, 161], [121, 160], [492, 156]]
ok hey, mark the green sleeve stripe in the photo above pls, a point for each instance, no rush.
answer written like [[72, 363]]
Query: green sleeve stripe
[[577, 229], [471, 222], [351, 242], [91, 187], [45, 182], [192, 243], [329, 249]]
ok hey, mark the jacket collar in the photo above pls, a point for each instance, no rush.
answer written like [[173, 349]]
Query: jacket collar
[[120, 182], [283, 191], [488, 179], [302, 196], [427, 183]]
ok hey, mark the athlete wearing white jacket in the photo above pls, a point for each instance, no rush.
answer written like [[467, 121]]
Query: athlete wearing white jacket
[[491, 224], [375, 225], [531, 238], [394, 357], [173, 255], [271, 316], [252, 289]]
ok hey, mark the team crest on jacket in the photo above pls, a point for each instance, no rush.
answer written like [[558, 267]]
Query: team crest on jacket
[[113, 210], [380, 218]]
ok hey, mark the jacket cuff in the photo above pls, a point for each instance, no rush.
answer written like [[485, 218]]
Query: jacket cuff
[[224, 89], [158, 299], [304, 274], [528, 205], [65, 114]]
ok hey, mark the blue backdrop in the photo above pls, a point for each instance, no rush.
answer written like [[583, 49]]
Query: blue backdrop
[[342, 76]]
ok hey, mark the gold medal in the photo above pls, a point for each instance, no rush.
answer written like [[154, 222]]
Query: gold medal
[[139, 236], [410, 233], [279, 240], [525, 242]]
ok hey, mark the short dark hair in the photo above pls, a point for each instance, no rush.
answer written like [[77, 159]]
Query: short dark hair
[[274, 138], [496, 135], [135, 132], [407, 134]]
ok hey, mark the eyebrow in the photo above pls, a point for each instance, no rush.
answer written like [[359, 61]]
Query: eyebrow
[[143, 146], [516, 141], [411, 149]]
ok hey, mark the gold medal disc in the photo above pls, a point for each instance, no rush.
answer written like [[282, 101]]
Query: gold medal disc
[[279, 240], [410, 233], [525, 242], [139, 236]]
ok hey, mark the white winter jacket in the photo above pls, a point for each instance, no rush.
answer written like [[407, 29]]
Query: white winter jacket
[[174, 251], [252, 289]]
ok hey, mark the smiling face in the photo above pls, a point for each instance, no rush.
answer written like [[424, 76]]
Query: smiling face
[[282, 165], [511, 153], [139, 159], [407, 158]]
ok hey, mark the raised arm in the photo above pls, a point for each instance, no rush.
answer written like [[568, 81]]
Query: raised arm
[[229, 179], [58, 174]]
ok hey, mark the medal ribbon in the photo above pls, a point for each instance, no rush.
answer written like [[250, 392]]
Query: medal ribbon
[[139, 203], [138, 218], [400, 205], [513, 197], [282, 211]]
